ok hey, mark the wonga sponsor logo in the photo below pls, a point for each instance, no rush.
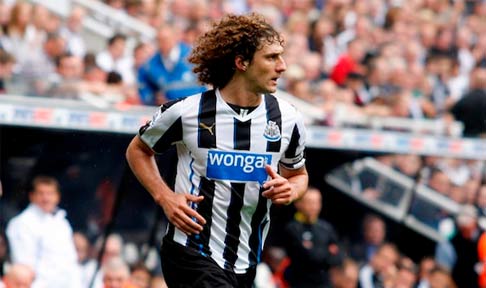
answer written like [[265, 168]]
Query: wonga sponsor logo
[[237, 166]]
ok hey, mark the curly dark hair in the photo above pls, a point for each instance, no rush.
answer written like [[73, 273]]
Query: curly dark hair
[[234, 35]]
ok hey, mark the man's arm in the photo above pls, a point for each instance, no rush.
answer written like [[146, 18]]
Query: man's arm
[[142, 162], [287, 187], [23, 243]]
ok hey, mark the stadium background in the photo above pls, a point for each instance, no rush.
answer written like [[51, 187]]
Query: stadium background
[[82, 141]]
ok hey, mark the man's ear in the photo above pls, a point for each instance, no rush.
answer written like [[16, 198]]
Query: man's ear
[[241, 64]]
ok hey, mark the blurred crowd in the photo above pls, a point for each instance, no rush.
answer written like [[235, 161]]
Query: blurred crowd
[[39, 249], [414, 59]]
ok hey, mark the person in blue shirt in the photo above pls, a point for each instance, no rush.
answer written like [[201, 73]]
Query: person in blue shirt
[[167, 75]]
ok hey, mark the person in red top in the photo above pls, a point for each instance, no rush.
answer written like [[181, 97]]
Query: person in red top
[[349, 62]]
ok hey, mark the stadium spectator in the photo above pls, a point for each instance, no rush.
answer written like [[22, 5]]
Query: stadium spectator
[[140, 276], [270, 272], [71, 31], [6, 69], [461, 254], [374, 235], [481, 200], [380, 271], [66, 83], [142, 52], [426, 266], [349, 62], [469, 109], [345, 275], [427, 212], [41, 237], [115, 58], [167, 75], [116, 274], [19, 276], [85, 261], [113, 250], [440, 278], [311, 244], [20, 37], [41, 64], [406, 275]]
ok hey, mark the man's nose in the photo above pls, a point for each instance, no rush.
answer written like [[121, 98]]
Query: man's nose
[[281, 65]]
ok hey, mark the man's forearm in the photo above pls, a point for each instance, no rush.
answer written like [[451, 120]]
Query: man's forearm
[[298, 180], [144, 167]]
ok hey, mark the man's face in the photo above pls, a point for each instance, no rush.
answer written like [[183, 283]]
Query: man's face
[[310, 205], [45, 196], [117, 48], [114, 279], [166, 40], [265, 68]]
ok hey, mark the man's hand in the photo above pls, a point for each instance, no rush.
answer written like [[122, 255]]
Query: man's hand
[[181, 215], [278, 189]]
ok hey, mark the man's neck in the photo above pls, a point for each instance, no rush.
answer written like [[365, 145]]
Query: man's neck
[[236, 92]]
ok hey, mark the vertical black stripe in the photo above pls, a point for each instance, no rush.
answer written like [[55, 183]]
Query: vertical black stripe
[[171, 231], [257, 226], [200, 242], [273, 114], [294, 143], [207, 120], [242, 134], [232, 239], [171, 135]]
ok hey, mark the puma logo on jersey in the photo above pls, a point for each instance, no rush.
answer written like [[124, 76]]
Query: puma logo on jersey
[[209, 128]]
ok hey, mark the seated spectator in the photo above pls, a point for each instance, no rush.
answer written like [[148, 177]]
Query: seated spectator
[[345, 275], [6, 69], [426, 266], [380, 270], [140, 276], [18, 276], [481, 201], [20, 38], [469, 109], [270, 271], [116, 274], [66, 83], [408, 164], [40, 65], [461, 254], [440, 278], [406, 275], [374, 235], [311, 244], [72, 32], [41, 238], [113, 249], [427, 212], [115, 59], [167, 75], [85, 261], [349, 62]]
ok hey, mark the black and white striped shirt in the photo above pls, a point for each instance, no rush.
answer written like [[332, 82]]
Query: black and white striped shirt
[[222, 155]]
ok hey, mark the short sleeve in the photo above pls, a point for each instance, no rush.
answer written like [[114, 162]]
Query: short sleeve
[[165, 128], [293, 157]]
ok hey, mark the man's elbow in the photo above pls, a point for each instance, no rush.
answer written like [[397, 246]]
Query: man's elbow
[[137, 148]]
